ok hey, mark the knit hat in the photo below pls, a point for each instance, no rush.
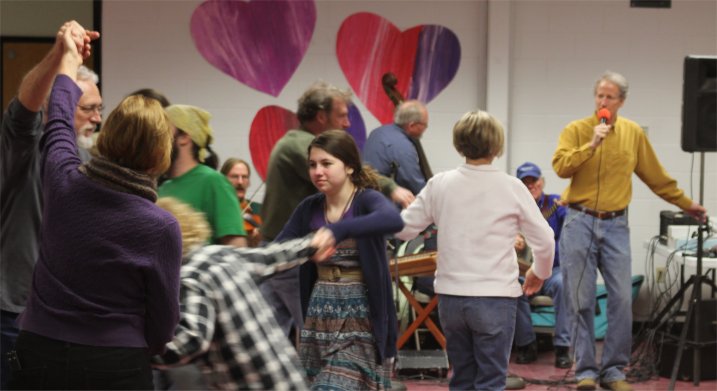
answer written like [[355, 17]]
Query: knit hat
[[195, 122]]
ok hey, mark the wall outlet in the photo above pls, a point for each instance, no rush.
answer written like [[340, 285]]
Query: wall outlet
[[660, 275]]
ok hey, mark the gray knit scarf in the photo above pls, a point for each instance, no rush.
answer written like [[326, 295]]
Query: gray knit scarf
[[120, 178]]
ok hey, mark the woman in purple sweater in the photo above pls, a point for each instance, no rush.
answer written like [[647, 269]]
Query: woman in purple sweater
[[349, 333], [105, 290]]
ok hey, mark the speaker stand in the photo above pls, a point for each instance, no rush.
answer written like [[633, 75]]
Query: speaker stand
[[696, 281]]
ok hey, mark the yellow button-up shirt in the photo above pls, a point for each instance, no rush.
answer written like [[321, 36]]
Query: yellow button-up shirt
[[601, 179]]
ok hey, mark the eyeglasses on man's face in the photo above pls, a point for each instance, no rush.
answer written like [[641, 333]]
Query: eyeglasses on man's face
[[89, 109]]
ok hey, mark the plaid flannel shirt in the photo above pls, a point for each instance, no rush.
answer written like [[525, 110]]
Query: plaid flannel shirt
[[226, 326]]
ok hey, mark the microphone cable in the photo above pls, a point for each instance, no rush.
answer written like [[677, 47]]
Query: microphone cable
[[573, 335]]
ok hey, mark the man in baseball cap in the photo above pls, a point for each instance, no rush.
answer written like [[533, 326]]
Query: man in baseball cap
[[525, 339]]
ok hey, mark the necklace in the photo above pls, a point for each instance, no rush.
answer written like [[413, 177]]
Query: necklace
[[343, 212]]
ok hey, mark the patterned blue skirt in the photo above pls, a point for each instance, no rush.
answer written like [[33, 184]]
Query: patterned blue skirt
[[338, 349]]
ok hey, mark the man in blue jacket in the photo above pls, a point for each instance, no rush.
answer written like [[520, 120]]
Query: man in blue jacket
[[525, 339]]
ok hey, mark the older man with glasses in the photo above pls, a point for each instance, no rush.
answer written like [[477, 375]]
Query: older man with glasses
[[89, 111], [20, 188]]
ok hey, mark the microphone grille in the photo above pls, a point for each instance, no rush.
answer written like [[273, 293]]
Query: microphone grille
[[604, 114]]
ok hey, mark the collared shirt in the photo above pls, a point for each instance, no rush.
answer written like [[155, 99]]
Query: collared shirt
[[226, 326], [389, 150], [601, 179]]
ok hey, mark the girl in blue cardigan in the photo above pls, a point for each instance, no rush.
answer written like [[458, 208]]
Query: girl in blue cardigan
[[349, 333]]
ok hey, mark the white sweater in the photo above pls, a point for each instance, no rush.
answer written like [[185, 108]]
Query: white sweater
[[479, 210]]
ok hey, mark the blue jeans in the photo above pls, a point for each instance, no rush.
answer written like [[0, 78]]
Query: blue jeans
[[8, 332], [552, 287], [479, 335], [587, 245]]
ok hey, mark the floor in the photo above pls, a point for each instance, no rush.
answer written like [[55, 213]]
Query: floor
[[542, 375]]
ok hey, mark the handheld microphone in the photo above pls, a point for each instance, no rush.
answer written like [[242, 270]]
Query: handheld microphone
[[604, 115]]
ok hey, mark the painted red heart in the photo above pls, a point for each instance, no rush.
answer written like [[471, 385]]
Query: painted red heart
[[424, 58], [271, 122], [258, 43]]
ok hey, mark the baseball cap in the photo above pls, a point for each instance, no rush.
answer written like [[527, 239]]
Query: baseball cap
[[528, 169]]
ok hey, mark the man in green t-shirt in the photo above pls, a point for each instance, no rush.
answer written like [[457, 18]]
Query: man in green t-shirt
[[198, 185]]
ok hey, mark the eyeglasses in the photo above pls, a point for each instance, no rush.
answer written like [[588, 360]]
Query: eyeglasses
[[91, 109]]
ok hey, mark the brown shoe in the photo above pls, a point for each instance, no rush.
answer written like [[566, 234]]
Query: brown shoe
[[617, 385], [587, 384]]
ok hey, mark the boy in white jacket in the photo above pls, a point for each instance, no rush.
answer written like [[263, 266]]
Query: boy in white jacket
[[479, 211]]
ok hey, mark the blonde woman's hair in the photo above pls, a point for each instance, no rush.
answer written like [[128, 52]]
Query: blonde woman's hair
[[137, 135], [194, 227], [478, 135]]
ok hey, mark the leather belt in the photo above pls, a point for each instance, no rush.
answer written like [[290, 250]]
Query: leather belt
[[602, 215], [338, 273]]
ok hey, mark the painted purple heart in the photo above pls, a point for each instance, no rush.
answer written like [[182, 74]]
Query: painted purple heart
[[424, 58], [259, 43]]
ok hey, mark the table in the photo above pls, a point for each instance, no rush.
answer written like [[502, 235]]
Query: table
[[417, 265]]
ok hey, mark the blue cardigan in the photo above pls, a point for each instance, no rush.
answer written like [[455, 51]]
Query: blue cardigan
[[374, 218]]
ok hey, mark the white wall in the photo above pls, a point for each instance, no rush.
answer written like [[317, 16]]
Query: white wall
[[41, 18], [148, 44]]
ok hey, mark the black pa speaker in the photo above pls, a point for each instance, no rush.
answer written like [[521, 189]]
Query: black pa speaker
[[699, 104]]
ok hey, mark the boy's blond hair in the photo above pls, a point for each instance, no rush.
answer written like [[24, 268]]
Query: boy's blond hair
[[194, 227]]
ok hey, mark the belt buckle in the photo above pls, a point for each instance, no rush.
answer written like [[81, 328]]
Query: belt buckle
[[335, 273]]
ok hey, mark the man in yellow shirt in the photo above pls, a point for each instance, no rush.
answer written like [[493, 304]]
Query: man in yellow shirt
[[599, 154]]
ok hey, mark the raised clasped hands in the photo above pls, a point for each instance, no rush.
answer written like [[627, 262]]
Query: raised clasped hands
[[75, 45], [325, 245], [532, 283]]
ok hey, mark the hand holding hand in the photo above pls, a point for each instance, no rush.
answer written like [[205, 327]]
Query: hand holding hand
[[325, 244], [402, 196], [81, 38], [599, 133], [532, 283], [74, 42]]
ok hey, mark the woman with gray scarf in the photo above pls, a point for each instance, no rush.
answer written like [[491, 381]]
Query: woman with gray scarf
[[105, 289]]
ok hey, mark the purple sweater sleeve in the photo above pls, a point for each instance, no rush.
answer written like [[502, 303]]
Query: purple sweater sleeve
[[59, 150], [162, 284], [379, 217]]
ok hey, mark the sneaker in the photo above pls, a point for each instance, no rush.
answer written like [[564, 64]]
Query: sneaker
[[562, 357], [513, 382], [587, 384], [617, 385], [527, 353]]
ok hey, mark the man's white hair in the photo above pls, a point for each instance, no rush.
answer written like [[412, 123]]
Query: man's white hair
[[86, 74]]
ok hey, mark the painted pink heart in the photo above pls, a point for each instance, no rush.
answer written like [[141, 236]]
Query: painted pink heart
[[424, 58], [271, 122], [258, 43]]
